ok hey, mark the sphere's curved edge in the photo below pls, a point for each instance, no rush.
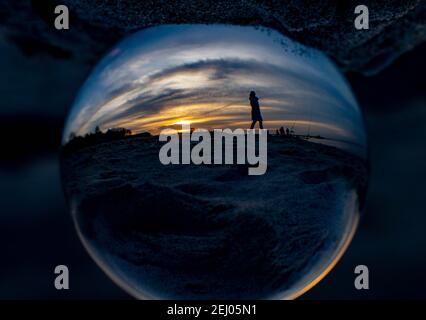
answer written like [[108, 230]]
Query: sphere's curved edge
[[344, 246], [353, 224], [125, 287]]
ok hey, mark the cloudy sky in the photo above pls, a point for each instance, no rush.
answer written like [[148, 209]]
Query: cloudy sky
[[203, 74]]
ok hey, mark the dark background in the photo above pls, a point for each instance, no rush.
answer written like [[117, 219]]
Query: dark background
[[41, 70]]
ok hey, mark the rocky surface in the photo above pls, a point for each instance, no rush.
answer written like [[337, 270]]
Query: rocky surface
[[213, 231], [395, 26]]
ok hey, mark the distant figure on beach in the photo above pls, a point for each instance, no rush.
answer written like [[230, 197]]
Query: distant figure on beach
[[287, 131], [255, 110]]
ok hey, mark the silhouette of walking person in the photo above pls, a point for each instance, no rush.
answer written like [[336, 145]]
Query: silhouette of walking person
[[255, 110]]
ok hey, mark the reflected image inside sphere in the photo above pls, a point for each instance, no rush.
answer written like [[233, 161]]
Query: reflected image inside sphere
[[212, 231]]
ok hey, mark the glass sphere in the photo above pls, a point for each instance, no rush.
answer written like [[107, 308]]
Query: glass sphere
[[165, 226]]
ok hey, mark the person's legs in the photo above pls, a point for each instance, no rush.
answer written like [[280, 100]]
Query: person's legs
[[253, 124]]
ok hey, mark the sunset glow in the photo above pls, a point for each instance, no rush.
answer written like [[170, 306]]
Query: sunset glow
[[188, 74]]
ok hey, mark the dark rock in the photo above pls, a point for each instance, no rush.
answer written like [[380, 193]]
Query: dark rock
[[395, 26]]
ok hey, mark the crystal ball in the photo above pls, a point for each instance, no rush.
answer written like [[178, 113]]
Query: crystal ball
[[215, 162]]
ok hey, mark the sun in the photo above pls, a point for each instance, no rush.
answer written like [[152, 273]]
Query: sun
[[182, 122]]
